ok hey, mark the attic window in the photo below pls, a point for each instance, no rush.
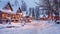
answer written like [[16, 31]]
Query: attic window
[[3, 15]]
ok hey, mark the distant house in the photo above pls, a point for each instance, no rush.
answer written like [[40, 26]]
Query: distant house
[[19, 12], [18, 15]]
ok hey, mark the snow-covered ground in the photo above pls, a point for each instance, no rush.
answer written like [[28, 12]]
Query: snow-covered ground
[[35, 27]]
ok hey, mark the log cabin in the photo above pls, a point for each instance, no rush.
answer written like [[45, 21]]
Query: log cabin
[[7, 11]]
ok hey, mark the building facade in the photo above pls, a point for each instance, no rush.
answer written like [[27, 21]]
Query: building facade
[[6, 14]]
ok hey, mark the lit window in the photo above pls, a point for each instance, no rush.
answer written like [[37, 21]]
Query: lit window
[[13, 16], [3, 15]]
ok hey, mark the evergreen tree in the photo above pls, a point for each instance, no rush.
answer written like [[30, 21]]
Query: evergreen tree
[[23, 6], [31, 12], [16, 3], [44, 6], [36, 12]]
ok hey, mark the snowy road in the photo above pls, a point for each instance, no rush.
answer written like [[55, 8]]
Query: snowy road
[[38, 28]]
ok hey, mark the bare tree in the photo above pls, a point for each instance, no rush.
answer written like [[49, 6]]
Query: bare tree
[[46, 6], [52, 6]]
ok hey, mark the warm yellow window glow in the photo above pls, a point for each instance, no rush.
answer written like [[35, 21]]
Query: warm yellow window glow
[[20, 14], [3, 15], [17, 16], [49, 17], [13, 16]]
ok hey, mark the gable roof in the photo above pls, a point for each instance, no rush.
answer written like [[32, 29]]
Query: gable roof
[[19, 10], [4, 3], [8, 6]]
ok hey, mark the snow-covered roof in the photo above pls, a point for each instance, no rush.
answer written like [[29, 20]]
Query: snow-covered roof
[[14, 7]]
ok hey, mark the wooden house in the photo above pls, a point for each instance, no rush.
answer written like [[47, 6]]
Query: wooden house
[[8, 12], [5, 12]]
